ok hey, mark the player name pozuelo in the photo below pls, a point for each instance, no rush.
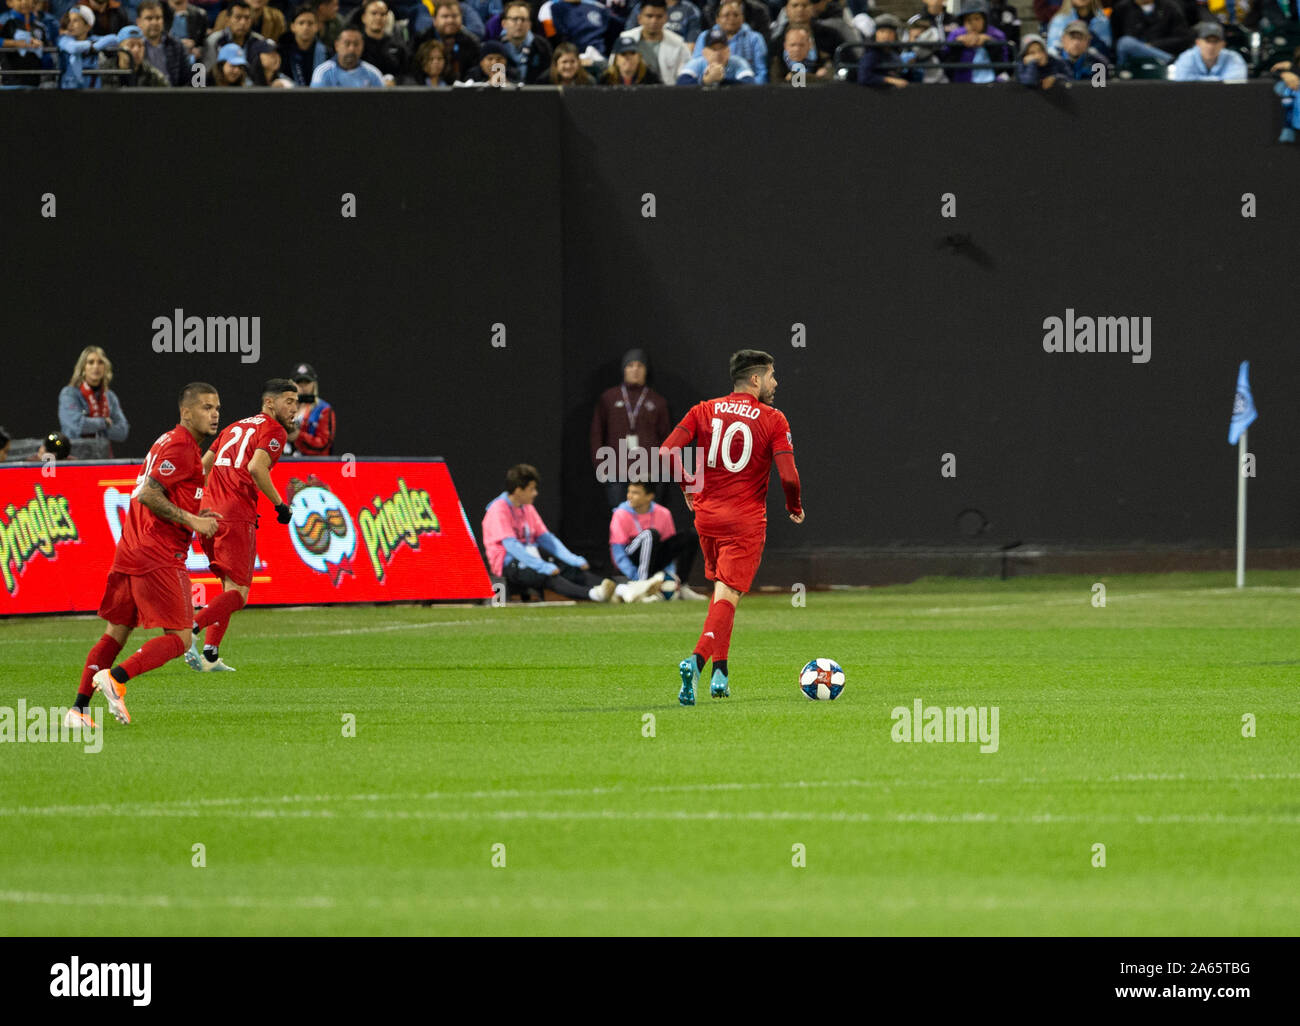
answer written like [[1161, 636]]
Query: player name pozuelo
[[1071, 334], [194, 334], [102, 979]]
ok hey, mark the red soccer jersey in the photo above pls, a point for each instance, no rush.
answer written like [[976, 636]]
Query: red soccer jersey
[[740, 437], [149, 542], [231, 491]]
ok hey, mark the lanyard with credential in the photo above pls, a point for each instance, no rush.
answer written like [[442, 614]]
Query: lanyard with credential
[[627, 404]]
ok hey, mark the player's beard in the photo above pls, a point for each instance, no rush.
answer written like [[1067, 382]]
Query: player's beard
[[768, 398]]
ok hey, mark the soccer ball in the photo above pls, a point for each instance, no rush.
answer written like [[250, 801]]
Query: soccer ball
[[822, 680]]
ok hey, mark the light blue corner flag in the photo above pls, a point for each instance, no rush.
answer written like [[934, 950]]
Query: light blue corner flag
[[1243, 405]]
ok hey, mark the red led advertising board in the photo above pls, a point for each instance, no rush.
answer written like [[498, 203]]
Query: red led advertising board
[[362, 531]]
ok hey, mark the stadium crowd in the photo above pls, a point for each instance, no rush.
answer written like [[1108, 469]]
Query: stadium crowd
[[109, 44]]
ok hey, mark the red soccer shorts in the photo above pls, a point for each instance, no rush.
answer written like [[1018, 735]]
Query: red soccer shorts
[[159, 598], [233, 550], [733, 560]]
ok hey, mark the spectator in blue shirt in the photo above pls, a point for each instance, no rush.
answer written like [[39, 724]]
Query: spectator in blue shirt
[[1091, 14], [717, 64], [1208, 61], [582, 23], [742, 41], [684, 18], [1078, 54], [88, 408], [347, 70], [76, 48]]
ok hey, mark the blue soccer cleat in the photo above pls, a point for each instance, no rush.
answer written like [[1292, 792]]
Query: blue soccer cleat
[[690, 674], [718, 686]]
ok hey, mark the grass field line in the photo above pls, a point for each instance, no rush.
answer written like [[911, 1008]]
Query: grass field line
[[82, 898], [187, 807], [731, 816], [570, 903], [1034, 601]]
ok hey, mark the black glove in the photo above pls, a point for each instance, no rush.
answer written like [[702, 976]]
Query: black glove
[[282, 513]]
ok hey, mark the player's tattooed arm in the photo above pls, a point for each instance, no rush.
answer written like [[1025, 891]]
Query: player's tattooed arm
[[153, 497]]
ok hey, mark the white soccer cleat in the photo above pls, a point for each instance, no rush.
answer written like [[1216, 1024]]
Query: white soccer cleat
[[78, 720], [653, 598], [602, 592], [685, 591], [193, 657], [214, 666], [115, 693], [636, 591]]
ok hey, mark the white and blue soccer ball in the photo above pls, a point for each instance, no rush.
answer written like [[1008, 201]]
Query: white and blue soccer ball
[[822, 680]]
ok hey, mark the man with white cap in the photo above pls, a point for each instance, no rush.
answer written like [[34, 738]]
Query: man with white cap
[[77, 48]]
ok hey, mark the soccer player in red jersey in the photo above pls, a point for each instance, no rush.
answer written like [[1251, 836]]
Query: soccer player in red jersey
[[147, 585], [742, 435], [238, 465]]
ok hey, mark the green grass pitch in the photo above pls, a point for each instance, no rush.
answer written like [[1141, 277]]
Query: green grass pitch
[[525, 727]]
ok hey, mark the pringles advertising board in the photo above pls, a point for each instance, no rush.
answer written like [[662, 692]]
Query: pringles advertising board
[[365, 530]]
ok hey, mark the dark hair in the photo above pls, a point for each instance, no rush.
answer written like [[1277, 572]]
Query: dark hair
[[274, 387], [583, 77], [521, 475], [349, 28], [745, 362], [146, 5], [57, 445], [365, 4], [239, 3], [191, 392], [646, 486], [426, 48], [298, 12], [525, 3], [655, 3]]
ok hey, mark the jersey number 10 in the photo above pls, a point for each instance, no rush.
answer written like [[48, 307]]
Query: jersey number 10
[[738, 427]]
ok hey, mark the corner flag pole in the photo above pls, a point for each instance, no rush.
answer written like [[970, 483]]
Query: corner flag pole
[[1244, 414], [1241, 511]]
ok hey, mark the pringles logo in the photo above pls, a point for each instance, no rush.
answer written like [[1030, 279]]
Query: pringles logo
[[36, 527], [396, 521], [320, 528]]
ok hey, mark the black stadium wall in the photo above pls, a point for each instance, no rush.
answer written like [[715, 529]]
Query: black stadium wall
[[500, 261]]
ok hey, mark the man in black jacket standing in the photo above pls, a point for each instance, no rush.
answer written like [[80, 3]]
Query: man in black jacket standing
[[1157, 29]]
